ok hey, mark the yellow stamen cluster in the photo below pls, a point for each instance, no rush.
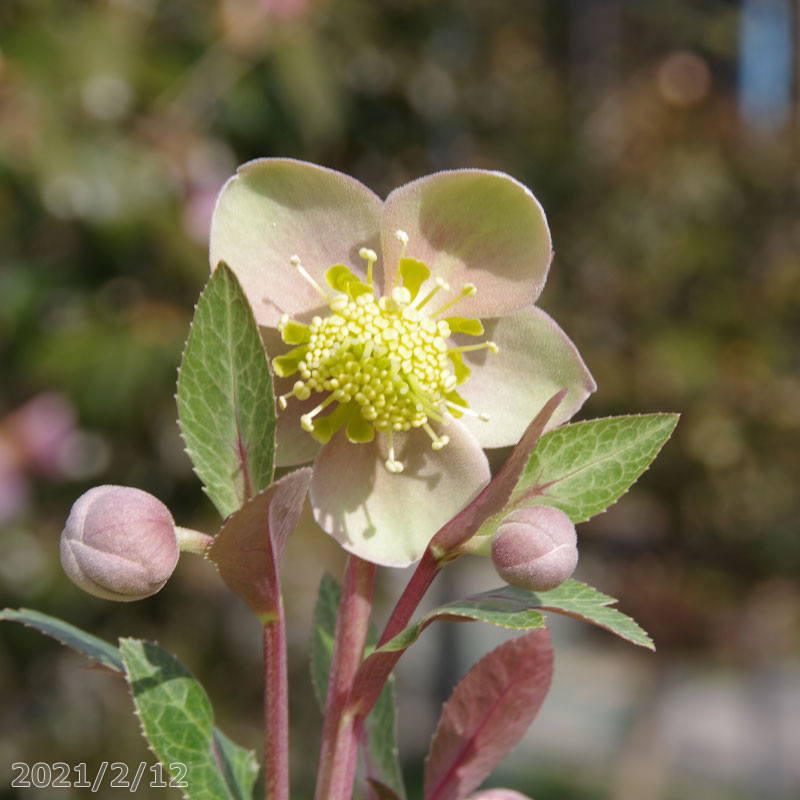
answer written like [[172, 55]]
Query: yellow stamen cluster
[[382, 356], [384, 361]]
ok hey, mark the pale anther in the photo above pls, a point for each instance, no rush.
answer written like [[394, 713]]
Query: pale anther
[[437, 442], [403, 237], [339, 302], [370, 256], [392, 464], [401, 295]]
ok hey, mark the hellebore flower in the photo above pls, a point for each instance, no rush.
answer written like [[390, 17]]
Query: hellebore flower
[[408, 339], [119, 543]]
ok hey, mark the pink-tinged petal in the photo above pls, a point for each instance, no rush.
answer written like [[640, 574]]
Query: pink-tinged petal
[[293, 445], [499, 794], [389, 518], [471, 226], [535, 360], [274, 208]]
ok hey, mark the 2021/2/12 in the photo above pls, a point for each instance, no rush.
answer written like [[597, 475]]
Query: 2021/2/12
[[57, 775]]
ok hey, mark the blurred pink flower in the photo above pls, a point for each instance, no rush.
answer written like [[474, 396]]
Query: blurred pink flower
[[33, 438], [286, 9], [41, 428]]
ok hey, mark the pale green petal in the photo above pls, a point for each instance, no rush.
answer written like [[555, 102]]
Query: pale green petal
[[274, 208], [535, 360], [387, 518], [471, 226]]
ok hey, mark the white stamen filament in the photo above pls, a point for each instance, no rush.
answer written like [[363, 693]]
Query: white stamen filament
[[440, 284], [466, 410], [467, 290], [468, 348], [295, 261], [307, 420], [370, 256]]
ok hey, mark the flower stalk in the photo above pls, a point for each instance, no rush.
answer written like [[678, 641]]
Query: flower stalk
[[191, 541], [341, 728], [276, 707]]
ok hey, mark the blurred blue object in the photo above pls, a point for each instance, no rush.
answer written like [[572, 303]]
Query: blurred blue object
[[765, 64]]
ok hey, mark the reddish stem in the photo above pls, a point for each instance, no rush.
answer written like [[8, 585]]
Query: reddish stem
[[444, 547], [404, 609], [340, 730], [373, 674], [276, 708]]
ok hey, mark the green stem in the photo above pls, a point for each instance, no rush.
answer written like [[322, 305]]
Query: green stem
[[190, 541]]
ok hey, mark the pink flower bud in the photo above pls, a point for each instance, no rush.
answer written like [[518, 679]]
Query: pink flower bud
[[535, 548], [119, 543], [499, 794]]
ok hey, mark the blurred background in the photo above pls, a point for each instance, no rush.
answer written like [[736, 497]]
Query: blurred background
[[663, 139]]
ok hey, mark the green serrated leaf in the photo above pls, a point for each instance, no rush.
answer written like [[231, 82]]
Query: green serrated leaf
[[518, 609], [98, 650], [239, 766], [576, 599], [585, 467], [176, 718], [225, 399], [382, 757], [500, 607], [382, 760]]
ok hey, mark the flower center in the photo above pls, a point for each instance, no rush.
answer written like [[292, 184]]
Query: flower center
[[385, 362]]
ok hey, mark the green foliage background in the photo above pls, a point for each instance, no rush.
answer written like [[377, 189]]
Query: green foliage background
[[676, 274]]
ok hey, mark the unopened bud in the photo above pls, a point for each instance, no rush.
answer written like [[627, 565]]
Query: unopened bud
[[535, 548], [119, 543]]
